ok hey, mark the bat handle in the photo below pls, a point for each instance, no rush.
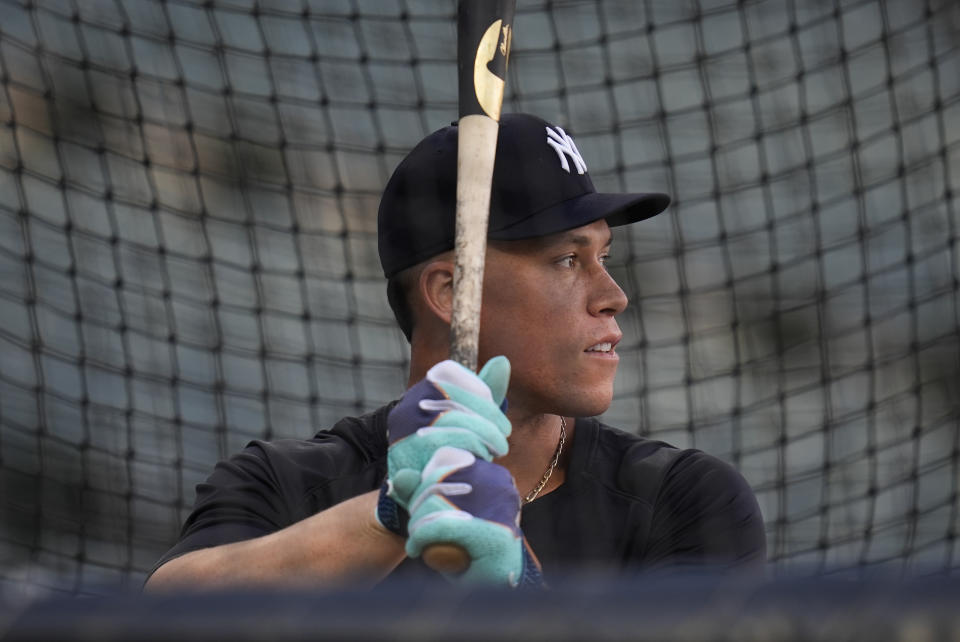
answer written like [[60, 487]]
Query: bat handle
[[447, 558]]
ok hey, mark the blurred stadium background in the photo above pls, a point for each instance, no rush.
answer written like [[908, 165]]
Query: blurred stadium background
[[188, 196]]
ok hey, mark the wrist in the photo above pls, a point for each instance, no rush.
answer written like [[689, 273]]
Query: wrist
[[389, 515]]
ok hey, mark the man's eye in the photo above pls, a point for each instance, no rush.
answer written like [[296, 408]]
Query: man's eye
[[605, 259], [568, 261]]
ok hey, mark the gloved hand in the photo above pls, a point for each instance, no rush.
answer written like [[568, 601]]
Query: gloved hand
[[453, 407], [474, 504]]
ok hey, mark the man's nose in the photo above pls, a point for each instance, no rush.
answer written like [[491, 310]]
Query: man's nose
[[607, 297]]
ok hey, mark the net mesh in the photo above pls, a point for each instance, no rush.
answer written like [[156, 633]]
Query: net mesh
[[188, 196]]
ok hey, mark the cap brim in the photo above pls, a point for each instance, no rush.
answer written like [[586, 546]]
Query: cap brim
[[617, 209]]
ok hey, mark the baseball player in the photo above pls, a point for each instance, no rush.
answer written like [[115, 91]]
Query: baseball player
[[508, 464]]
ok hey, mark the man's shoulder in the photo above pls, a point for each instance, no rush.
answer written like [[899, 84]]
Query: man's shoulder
[[366, 433], [349, 442], [699, 508], [641, 467]]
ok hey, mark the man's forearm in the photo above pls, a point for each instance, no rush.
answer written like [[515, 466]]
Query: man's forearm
[[343, 544]]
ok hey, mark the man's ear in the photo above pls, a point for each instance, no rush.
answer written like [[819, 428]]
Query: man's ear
[[436, 288]]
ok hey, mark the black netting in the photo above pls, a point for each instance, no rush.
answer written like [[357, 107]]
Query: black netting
[[188, 256]]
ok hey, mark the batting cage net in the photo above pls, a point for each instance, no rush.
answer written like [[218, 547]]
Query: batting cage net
[[188, 196]]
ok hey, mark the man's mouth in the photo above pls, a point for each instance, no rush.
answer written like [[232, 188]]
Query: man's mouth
[[601, 347]]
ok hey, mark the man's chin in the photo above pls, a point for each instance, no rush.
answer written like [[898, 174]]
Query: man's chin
[[589, 405]]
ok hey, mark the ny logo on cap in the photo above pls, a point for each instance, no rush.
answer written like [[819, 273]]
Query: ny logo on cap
[[564, 146]]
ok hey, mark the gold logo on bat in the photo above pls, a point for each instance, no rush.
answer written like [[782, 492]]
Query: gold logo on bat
[[489, 86], [505, 43]]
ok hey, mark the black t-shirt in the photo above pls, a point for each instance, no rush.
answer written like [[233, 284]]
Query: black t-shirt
[[627, 503]]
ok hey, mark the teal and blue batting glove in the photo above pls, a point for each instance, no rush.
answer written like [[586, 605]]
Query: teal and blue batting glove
[[451, 407], [474, 504]]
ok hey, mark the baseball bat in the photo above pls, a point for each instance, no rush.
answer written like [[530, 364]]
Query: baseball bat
[[484, 34]]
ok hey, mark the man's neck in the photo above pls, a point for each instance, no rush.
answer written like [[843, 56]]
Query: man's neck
[[533, 444], [423, 356]]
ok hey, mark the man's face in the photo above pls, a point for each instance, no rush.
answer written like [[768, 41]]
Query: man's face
[[549, 306]]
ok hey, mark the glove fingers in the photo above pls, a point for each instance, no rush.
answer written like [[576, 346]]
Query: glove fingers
[[463, 401], [435, 482], [473, 504], [444, 461], [410, 485], [403, 484], [490, 383], [438, 523], [496, 374], [483, 393], [417, 449], [451, 410], [486, 431], [496, 552], [452, 373], [493, 495]]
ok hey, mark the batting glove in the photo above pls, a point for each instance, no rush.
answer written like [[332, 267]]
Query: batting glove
[[451, 407], [473, 504]]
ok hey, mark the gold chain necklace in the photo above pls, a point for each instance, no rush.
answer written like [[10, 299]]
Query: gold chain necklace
[[532, 495]]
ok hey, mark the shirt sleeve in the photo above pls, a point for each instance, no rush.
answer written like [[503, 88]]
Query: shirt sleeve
[[705, 516], [241, 499], [270, 485]]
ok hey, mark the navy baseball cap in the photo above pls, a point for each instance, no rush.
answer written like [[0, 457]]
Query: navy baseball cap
[[540, 186]]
